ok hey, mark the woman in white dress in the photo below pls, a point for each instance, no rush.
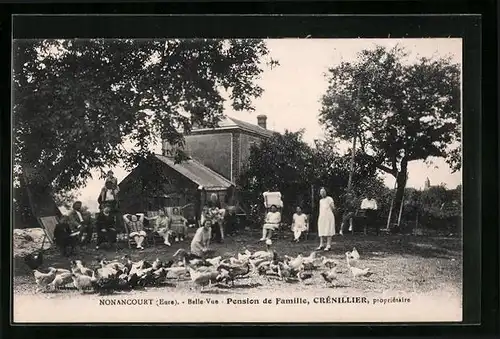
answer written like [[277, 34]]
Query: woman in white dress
[[326, 220], [272, 223]]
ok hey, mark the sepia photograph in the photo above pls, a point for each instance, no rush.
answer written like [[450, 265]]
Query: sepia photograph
[[237, 180]]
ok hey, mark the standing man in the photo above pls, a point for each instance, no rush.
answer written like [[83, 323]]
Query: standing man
[[80, 220], [109, 198], [369, 207]]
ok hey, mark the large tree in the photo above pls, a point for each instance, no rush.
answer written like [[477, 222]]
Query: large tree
[[399, 111], [75, 102]]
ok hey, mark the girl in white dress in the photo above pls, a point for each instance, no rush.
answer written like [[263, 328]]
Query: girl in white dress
[[299, 224], [326, 220]]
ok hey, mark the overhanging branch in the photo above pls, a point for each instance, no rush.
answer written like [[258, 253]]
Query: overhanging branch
[[384, 168]]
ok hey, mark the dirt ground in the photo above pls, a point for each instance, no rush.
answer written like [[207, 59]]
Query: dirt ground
[[426, 269], [404, 264]]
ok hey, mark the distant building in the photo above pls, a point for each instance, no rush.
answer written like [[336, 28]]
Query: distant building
[[217, 158], [427, 184]]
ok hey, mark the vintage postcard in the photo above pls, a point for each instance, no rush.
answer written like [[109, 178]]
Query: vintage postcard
[[237, 180]]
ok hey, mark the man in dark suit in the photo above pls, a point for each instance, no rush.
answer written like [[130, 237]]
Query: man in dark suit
[[81, 221]]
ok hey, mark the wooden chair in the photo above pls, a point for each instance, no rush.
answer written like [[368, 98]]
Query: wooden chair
[[152, 230], [49, 225]]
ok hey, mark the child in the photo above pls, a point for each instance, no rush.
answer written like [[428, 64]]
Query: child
[[299, 224], [272, 223]]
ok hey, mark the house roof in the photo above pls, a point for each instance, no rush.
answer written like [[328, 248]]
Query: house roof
[[198, 173], [231, 123]]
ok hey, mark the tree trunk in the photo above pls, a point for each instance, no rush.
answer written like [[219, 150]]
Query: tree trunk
[[401, 179]]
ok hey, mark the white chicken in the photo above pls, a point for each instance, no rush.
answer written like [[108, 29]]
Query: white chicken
[[60, 280], [44, 279], [355, 254], [176, 272], [356, 271], [118, 266], [267, 255], [244, 256], [214, 261], [83, 282], [77, 267], [203, 276]]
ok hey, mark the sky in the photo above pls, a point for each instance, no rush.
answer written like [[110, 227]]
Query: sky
[[293, 90]]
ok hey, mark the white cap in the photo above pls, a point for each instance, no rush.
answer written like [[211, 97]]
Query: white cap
[[269, 242]]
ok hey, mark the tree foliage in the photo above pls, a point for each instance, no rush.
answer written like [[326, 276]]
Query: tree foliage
[[399, 112], [77, 101], [287, 164]]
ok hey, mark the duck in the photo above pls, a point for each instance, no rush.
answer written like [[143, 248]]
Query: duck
[[44, 279]]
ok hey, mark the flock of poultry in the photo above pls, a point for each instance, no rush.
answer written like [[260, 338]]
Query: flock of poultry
[[126, 275]]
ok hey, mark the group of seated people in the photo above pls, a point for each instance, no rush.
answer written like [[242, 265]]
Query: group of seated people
[[78, 226], [272, 222]]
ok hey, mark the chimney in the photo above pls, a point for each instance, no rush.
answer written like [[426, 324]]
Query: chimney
[[261, 120], [169, 150]]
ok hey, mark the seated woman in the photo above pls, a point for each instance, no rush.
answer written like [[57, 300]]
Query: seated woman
[[178, 225], [162, 225], [64, 238], [105, 227], [299, 224], [135, 225], [201, 240], [272, 223]]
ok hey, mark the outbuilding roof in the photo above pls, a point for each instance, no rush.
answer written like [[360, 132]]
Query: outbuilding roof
[[198, 173]]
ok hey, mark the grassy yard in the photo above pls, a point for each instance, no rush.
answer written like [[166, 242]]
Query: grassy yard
[[402, 264]]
